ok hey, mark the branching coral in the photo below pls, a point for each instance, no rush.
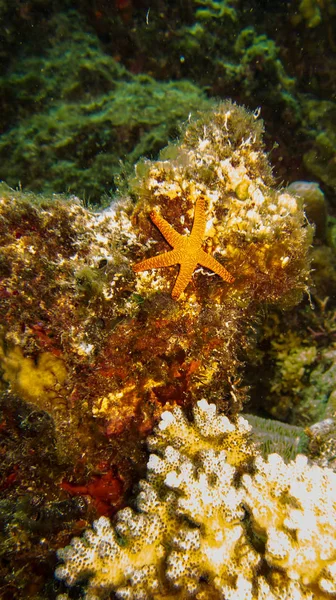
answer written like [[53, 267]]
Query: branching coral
[[214, 517], [295, 506]]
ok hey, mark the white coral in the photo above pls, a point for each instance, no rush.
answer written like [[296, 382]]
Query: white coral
[[295, 506], [202, 525]]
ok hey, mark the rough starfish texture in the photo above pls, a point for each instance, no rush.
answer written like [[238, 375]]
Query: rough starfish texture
[[187, 251]]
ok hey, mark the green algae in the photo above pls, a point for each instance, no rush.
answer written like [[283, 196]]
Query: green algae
[[84, 118], [320, 122], [75, 119], [214, 9]]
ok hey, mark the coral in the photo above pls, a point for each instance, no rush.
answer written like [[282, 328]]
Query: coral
[[33, 382], [322, 438], [314, 204], [304, 374], [214, 516], [34, 516], [69, 294], [220, 157], [68, 288], [294, 506], [293, 358]]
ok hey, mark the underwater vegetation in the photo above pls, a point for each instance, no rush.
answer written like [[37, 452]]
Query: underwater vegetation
[[88, 96], [83, 117], [73, 309], [103, 350]]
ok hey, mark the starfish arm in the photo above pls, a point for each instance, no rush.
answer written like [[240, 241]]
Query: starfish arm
[[208, 261], [185, 274], [155, 262], [173, 238], [198, 228]]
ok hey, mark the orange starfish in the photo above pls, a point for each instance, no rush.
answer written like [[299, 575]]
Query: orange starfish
[[187, 251]]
